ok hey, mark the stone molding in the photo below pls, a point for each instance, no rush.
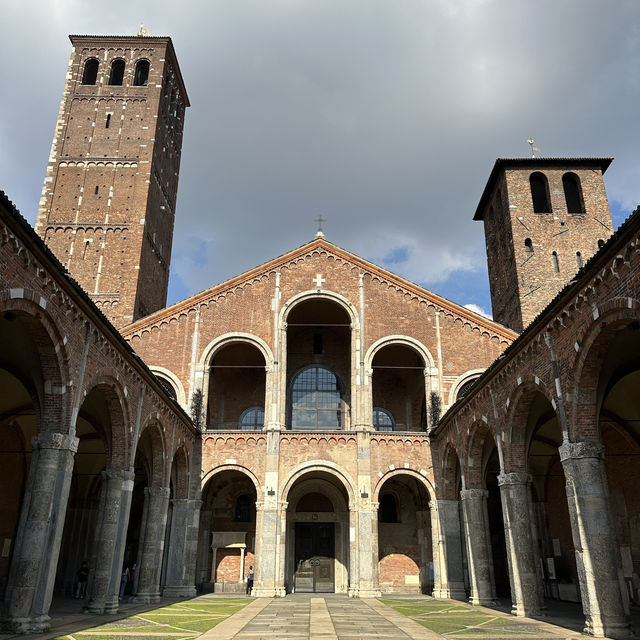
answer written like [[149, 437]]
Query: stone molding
[[51, 440], [473, 494], [514, 478], [577, 450]]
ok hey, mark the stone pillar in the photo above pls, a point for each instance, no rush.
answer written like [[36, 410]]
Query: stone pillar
[[368, 585], [597, 551], [37, 543], [269, 559], [522, 553], [182, 551], [447, 550], [111, 519], [424, 545], [476, 527], [157, 502]]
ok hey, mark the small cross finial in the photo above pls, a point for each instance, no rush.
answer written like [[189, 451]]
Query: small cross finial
[[319, 232], [143, 32]]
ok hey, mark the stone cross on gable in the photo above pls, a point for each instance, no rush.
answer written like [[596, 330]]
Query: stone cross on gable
[[319, 280]]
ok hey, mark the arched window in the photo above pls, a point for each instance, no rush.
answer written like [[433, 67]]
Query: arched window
[[600, 243], [252, 419], [540, 192], [316, 399], [388, 508], [528, 245], [164, 383], [579, 259], [382, 419], [141, 76], [90, 74], [465, 387], [116, 76], [573, 193], [556, 264], [243, 508]]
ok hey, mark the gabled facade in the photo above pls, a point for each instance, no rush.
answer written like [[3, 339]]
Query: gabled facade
[[317, 372]]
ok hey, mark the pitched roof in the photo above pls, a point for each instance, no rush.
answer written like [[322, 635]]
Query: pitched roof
[[322, 244]]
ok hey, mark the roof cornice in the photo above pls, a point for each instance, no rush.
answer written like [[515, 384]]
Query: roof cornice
[[321, 244]]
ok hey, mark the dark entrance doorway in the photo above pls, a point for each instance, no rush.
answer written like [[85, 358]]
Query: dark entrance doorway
[[314, 555]]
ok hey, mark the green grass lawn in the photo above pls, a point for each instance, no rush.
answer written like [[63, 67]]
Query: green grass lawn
[[179, 621], [459, 620]]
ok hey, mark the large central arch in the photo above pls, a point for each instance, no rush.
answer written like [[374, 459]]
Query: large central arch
[[317, 524]]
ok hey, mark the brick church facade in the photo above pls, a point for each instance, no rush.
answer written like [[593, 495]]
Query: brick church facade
[[288, 419]]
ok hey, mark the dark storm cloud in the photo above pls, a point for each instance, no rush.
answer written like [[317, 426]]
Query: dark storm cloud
[[384, 117]]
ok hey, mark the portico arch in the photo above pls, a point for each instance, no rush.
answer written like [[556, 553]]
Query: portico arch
[[317, 516], [321, 328], [235, 374], [227, 533]]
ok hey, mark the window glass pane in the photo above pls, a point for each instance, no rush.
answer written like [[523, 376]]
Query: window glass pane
[[328, 419], [304, 418]]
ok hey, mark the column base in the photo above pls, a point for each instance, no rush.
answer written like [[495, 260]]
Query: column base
[[146, 598], [268, 592], [454, 593], [608, 629], [482, 602], [179, 591], [364, 593], [100, 607], [521, 611], [39, 624]]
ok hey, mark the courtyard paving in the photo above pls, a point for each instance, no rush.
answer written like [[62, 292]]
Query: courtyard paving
[[307, 617]]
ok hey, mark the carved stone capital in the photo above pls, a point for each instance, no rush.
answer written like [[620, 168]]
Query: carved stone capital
[[473, 494], [574, 450], [52, 440], [514, 478]]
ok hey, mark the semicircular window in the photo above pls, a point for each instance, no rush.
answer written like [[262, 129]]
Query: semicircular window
[[167, 386], [252, 419], [382, 419], [316, 399], [465, 387]]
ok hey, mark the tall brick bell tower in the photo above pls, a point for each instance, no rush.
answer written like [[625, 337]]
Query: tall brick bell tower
[[543, 219], [108, 202]]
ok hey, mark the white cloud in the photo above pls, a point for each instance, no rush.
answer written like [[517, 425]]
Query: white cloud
[[479, 310]]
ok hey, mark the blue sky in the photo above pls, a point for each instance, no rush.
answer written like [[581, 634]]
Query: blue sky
[[383, 116]]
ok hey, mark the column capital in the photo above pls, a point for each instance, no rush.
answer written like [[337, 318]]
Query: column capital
[[53, 440], [118, 473], [473, 494], [514, 477], [576, 450], [156, 491]]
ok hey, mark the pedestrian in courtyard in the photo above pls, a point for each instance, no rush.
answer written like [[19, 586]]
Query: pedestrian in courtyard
[[124, 579], [250, 580], [82, 577]]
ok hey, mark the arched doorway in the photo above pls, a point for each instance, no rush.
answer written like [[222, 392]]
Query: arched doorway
[[93, 429], [405, 559], [318, 366], [555, 545], [317, 535], [227, 538]]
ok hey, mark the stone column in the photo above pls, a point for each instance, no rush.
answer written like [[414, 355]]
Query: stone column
[[368, 570], [157, 502], [597, 551], [37, 543], [111, 519], [447, 550], [476, 527], [522, 553], [181, 555], [424, 544], [269, 559]]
